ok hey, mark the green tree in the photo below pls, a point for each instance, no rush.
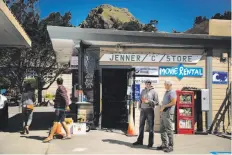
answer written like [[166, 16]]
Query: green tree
[[40, 58], [150, 27], [225, 16], [4, 82], [199, 19], [137, 26], [174, 31], [132, 26]]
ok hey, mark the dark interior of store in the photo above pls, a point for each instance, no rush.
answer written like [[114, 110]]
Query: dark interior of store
[[114, 105]]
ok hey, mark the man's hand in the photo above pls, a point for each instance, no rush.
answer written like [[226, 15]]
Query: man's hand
[[162, 109], [67, 108]]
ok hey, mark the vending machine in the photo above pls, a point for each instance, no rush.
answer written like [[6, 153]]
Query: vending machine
[[185, 112]]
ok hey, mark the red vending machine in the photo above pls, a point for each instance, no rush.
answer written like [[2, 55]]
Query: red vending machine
[[185, 112]]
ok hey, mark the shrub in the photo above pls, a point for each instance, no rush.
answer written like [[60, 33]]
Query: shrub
[[49, 96], [32, 81]]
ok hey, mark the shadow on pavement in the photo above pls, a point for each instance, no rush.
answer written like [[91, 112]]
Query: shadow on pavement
[[41, 121], [113, 141], [226, 136], [34, 137], [121, 132]]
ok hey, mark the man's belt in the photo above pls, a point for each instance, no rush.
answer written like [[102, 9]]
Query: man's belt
[[166, 109]]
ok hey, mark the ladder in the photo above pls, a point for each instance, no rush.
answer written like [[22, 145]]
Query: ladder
[[220, 116]]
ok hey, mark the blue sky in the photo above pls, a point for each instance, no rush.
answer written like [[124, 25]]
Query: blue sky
[[171, 14]]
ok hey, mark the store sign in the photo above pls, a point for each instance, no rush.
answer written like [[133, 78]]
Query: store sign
[[151, 58], [74, 62], [220, 77], [147, 71], [140, 80], [180, 71]]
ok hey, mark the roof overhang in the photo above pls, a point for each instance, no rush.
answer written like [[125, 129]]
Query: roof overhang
[[11, 32], [106, 37]]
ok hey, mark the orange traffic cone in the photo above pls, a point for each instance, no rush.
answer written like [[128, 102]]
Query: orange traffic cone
[[131, 126]]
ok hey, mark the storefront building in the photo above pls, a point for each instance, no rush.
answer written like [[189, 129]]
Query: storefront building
[[114, 61], [11, 32]]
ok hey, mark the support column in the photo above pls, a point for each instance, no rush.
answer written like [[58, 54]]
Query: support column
[[100, 112], [229, 73], [80, 66], [209, 80]]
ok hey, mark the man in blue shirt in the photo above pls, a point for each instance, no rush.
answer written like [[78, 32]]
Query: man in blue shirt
[[166, 119]]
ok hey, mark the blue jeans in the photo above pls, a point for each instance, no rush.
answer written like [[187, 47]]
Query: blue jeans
[[146, 114], [28, 115]]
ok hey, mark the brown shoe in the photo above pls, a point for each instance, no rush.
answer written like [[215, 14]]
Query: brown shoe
[[66, 137], [23, 132]]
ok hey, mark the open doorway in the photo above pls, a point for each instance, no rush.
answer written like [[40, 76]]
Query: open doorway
[[114, 99]]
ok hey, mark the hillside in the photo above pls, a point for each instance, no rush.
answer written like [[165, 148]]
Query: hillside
[[107, 16], [110, 17], [202, 28]]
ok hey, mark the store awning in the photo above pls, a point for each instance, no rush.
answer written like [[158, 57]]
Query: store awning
[[11, 32], [106, 37]]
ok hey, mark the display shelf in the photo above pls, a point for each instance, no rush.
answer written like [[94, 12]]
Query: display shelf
[[185, 124], [186, 105], [185, 112]]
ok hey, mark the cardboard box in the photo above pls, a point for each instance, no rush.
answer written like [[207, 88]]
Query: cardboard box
[[79, 128], [70, 127]]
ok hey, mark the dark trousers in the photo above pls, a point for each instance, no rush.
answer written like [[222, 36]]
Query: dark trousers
[[146, 114]]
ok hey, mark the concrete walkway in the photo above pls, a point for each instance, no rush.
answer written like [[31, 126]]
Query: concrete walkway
[[99, 142], [102, 142]]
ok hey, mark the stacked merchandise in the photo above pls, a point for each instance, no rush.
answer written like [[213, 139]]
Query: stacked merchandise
[[186, 124]]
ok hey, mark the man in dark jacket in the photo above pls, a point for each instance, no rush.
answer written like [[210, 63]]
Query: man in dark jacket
[[149, 98], [61, 105]]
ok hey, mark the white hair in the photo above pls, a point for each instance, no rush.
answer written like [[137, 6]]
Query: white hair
[[168, 82]]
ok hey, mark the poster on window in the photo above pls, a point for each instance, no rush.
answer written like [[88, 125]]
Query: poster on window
[[137, 92]]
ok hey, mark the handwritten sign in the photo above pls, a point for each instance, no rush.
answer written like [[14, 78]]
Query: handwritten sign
[[74, 62], [180, 71], [140, 80], [151, 58]]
